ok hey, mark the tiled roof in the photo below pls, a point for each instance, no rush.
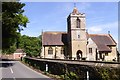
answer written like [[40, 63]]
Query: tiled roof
[[54, 38], [103, 48], [19, 51], [103, 41]]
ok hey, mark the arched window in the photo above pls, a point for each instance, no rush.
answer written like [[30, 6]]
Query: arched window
[[62, 50], [78, 23], [50, 50]]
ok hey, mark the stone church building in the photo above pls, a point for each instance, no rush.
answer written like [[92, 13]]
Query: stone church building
[[77, 43]]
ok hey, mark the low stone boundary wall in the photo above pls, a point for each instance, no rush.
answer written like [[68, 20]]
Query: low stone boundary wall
[[77, 70]]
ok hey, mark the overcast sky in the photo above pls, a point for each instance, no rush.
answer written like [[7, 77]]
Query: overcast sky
[[101, 17]]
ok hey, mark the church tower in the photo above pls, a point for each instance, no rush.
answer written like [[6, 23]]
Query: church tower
[[77, 40]]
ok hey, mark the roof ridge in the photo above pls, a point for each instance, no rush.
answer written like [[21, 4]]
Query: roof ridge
[[55, 32], [112, 38], [99, 34]]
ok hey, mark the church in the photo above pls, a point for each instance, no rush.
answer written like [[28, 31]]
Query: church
[[77, 43]]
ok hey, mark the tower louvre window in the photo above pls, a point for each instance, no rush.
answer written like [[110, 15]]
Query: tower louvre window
[[78, 23]]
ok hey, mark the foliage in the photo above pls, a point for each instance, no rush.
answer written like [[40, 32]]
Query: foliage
[[31, 45], [70, 76], [10, 50], [105, 74], [12, 21], [110, 73]]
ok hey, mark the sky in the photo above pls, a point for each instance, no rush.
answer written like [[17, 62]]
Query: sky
[[101, 17]]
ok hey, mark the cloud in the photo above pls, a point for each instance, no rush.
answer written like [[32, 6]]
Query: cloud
[[111, 25], [95, 29], [95, 20], [102, 27]]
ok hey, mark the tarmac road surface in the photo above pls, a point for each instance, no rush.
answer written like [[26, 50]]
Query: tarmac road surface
[[15, 70]]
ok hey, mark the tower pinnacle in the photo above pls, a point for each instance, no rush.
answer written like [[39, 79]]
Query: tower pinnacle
[[74, 4], [75, 10]]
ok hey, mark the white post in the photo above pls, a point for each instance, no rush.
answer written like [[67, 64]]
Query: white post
[[87, 75], [46, 67]]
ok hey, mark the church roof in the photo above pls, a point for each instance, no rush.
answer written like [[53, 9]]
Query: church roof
[[103, 48], [103, 41], [19, 51], [54, 38]]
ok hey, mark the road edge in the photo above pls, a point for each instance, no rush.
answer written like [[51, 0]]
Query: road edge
[[54, 77]]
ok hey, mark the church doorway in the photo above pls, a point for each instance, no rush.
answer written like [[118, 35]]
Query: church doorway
[[79, 54]]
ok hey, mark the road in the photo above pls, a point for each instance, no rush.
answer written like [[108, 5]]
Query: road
[[15, 70]]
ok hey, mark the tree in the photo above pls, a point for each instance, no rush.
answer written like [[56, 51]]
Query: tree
[[31, 45], [12, 21]]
